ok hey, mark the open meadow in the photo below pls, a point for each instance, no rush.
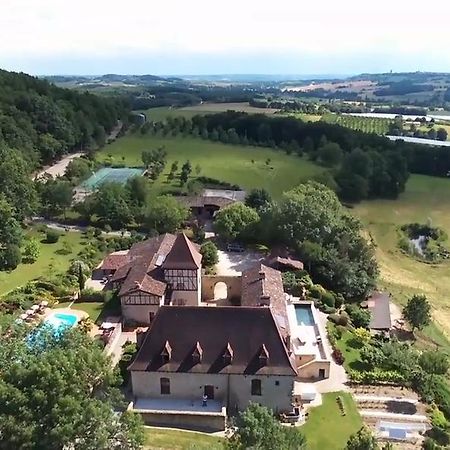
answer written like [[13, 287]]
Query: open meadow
[[52, 257], [245, 166], [426, 200]]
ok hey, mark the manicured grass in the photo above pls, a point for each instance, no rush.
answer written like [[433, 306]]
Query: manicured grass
[[168, 439], [241, 165], [326, 427], [94, 309], [426, 200], [51, 259]]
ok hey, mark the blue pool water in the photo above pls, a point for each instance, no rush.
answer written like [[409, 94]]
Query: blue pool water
[[60, 322], [55, 324], [304, 315]]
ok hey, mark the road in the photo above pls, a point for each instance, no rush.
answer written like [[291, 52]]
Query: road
[[59, 168]]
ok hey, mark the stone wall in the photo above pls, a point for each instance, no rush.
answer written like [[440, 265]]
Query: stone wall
[[233, 283]]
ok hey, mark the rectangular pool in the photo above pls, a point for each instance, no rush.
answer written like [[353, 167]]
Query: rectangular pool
[[60, 321], [304, 315]]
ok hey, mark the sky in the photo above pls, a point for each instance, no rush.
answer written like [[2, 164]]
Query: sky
[[174, 37]]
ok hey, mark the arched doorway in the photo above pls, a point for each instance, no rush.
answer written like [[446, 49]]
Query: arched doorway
[[220, 291]]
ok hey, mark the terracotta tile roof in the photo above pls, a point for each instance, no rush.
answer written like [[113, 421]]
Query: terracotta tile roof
[[235, 340], [143, 269], [114, 261], [262, 285], [183, 255], [289, 262]]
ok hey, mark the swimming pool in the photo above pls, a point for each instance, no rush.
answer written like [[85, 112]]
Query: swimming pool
[[304, 315], [60, 322]]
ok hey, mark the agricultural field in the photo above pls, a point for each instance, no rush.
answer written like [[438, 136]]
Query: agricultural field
[[53, 257], [326, 427], [161, 113], [307, 117], [426, 200], [245, 166], [365, 124]]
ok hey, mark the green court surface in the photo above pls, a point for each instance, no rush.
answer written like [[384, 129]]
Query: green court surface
[[110, 175]]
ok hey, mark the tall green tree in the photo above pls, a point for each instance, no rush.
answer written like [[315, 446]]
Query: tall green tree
[[257, 428], [60, 392], [330, 154], [165, 214], [362, 440], [236, 221], [56, 196], [258, 199], [434, 362], [417, 312]]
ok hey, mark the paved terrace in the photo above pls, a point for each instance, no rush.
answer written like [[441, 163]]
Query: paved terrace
[[178, 406]]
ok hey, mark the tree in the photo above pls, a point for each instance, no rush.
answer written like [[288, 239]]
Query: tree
[[165, 214], [78, 169], [60, 392], [210, 254], [308, 145], [342, 260], [235, 221], [186, 170], [31, 251], [363, 336], [10, 229], [417, 312], [360, 317], [442, 134], [81, 279], [10, 257], [257, 428], [16, 184], [56, 196], [111, 203], [198, 169], [258, 199], [362, 440], [434, 362], [139, 189], [330, 154]]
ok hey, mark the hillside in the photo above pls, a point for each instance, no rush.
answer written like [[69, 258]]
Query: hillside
[[43, 122]]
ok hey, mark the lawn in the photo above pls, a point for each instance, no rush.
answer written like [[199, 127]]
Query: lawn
[[169, 439], [52, 258], [426, 200], [326, 428], [241, 165]]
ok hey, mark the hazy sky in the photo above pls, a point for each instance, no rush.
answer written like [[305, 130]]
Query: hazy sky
[[236, 36]]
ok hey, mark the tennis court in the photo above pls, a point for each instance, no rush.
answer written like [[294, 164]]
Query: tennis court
[[110, 175]]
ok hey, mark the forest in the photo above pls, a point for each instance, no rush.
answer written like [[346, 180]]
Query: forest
[[43, 122]]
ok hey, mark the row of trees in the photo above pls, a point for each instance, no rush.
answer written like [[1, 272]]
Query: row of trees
[[311, 221]]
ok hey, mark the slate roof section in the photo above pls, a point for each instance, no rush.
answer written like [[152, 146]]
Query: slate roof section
[[215, 330], [183, 255], [378, 304], [262, 285]]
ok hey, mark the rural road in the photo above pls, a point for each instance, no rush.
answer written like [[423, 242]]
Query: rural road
[[59, 168]]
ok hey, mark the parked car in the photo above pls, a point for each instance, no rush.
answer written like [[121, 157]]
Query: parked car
[[235, 247]]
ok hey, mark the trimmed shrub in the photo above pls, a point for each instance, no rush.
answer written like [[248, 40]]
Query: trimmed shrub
[[328, 299], [338, 356], [52, 236]]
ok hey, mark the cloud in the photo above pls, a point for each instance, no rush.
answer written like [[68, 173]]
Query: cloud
[[107, 29]]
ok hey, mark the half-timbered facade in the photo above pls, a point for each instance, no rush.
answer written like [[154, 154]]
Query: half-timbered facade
[[165, 270]]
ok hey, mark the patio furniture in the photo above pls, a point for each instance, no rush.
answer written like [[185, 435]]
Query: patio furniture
[[23, 316], [35, 308]]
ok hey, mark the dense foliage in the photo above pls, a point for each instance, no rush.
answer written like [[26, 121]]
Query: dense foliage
[[258, 428], [60, 393], [43, 121]]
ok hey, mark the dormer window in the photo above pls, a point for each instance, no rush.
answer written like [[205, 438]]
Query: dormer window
[[166, 353], [228, 355], [263, 356], [197, 354]]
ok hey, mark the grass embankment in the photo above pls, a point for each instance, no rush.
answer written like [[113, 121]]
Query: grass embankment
[[426, 200], [326, 427], [245, 166], [168, 439], [52, 257]]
